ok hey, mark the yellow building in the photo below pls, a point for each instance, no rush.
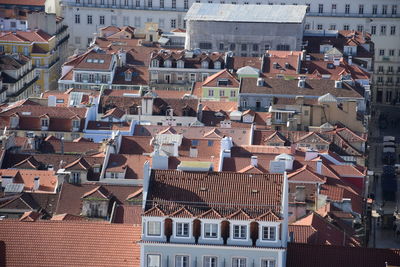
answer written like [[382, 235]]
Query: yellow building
[[42, 48]]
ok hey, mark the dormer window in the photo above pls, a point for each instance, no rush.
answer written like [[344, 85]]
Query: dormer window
[[153, 228], [217, 65], [167, 63], [128, 76], [14, 122], [268, 233], [180, 64], [204, 64], [239, 231], [76, 124], [210, 230], [182, 229], [155, 63]]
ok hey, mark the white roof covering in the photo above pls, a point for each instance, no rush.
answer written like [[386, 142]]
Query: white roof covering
[[327, 98], [247, 70], [247, 13]]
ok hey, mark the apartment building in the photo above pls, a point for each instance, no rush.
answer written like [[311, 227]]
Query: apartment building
[[198, 224], [381, 19], [18, 77]]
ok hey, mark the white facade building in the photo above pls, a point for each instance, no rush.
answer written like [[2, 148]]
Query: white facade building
[[381, 18]]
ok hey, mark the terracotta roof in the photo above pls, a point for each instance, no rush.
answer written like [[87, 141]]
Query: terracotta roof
[[129, 214], [70, 195], [114, 112], [24, 2], [306, 174], [82, 243], [199, 192], [322, 232], [78, 164], [213, 80], [25, 36], [47, 183], [313, 87], [136, 145], [133, 164], [68, 217], [98, 192], [94, 60], [305, 255], [30, 216]]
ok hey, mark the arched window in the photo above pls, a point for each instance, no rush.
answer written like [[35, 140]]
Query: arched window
[[204, 64], [155, 63], [217, 65], [180, 64], [167, 63]]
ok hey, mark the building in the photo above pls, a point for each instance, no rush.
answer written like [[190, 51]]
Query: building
[[188, 220], [18, 77], [42, 48], [244, 29]]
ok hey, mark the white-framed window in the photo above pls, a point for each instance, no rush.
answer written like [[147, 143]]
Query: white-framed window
[[278, 116], [180, 64], [374, 9], [182, 229], [154, 63], [89, 19], [173, 23], [269, 233], [76, 123], [181, 261], [210, 230], [153, 260], [217, 65], [77, 19], [44, 122], [210, 261], [113, 175], [167, 63], [210, 92], [204, 76], [192, 77], [221, 93], [153, 228], [162, 4], [102, 20], [76, 176], [204, 64], [233, 93], [239, 231], [239, 262], [14, 121], [128, 76], [268, 263]]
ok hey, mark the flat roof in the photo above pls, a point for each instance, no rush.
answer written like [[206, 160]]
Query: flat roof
[[247, 13]]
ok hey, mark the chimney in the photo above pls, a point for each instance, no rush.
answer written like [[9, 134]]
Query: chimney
[[260, 82], [193, 152], [36, 183], [336, 61], [254, 161], [301, 83], [175, 149], [303, 55], [319, 166], [338, 84], [62, 145]]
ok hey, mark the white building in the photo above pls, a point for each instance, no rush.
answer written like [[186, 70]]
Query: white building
[[244, 29], [381, 18]]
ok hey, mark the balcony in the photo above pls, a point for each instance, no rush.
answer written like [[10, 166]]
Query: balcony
[[178, 9], [352, 15], [23, 89]]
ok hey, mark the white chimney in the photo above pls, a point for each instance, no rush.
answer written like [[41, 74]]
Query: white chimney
[[338, 84], [260, 82], [310, 155], [254, 161], [175, 149], [350, 60], [319, 166], [336, 61], [36, 183], [193, 152]]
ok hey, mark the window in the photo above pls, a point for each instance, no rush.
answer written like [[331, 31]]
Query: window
[[334, 8], [173, 3], [394, 10], [137, 22], [204, 64], [392, 30], [126, 3], [244, 47], [233, 93], [232, 47], [383, 30], [153, 260], [332, 27], [26, 51], [102, 20], [210, 143], [168, 63], [209, 261], [374, 9], [192, 77], [150, 3], [102, 2], [76, 124], [307, 26], [181, 261], [44, 122], [195, 142], [125, 20], [384, 9], [346, 27], [308, 8], [186, 4], [221, 46], [373, 30], [320, 8], [89, 19], [239, 262], [182, 229], [114, 2], [361, 9], [239, 232], [380, 69], [278, 116], [360, 28], [173, 23], [391, 52], [113, 175], [154, 228], [347, 9], [210, 230], [268, 263], [180, 64], [77, 1], [319, 27], [255, 47], [283, 47], [114, 20], [76, 176], [77, 18], [268, 233], [137, 3]]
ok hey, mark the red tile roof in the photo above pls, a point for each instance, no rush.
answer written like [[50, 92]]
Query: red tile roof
[[212, 81], [69, 243], [24, 2], [305, 255], [47, 182]]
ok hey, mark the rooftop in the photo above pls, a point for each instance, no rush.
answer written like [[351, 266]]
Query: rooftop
[[247, 13]]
